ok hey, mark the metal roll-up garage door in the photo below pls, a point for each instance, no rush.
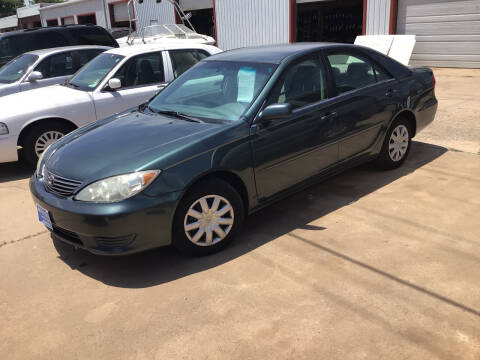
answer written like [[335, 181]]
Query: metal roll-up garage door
[[448, 31]]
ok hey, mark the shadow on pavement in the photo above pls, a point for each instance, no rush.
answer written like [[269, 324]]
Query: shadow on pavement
[[296, 212], [14, 171]]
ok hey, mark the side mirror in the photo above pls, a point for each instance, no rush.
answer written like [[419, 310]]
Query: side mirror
[[275, 111], [34, 76], [114, 83]]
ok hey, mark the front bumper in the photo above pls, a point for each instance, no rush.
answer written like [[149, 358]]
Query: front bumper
[[8, 148], [133, 225]]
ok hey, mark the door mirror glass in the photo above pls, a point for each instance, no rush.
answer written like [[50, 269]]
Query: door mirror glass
[[275, 111], [34, 76], [114, 83]]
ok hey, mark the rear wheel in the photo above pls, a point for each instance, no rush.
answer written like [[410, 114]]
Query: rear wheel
[[396, 145], [40, 137], [208, 218]]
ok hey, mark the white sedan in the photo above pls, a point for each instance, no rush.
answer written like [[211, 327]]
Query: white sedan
[[40, 68], [114, 81]]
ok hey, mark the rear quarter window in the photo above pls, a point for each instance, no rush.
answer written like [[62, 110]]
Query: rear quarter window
[[92, 36], [48, 39]]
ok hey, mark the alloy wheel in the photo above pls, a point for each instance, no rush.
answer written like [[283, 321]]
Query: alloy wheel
[[45, 140], [209, 220], [398, 144]]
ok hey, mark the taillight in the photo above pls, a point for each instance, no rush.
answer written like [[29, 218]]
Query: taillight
[[433, 80]]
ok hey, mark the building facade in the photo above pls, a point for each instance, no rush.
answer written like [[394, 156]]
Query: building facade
[[447, 31], [27, 17]]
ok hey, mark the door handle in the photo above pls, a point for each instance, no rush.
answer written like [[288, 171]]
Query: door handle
[[390, 92], [328, 115]]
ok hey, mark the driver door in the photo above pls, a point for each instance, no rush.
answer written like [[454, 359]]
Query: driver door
[[141, 77], [289, 151]]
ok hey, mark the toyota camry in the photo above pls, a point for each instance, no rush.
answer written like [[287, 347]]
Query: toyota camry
[[236, 132]]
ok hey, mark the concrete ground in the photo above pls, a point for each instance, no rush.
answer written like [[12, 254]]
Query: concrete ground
[[367, 265], [457, 124]]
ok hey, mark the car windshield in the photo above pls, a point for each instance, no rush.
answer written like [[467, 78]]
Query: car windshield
[[16, 68], [216, 90], [89, 76]]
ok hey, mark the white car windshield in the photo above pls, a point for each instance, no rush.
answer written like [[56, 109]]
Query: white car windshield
[[89, 76], [16, 68], [216, 90]]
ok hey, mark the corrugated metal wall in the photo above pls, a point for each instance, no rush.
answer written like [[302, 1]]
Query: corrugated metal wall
[[378, 17], [243, 23], [448, 32], [151, 12]]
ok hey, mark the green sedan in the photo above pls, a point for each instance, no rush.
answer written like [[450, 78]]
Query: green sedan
[[233, 134]]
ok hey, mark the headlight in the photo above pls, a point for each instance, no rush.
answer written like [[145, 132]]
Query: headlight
[[3, 129], [117, 188]]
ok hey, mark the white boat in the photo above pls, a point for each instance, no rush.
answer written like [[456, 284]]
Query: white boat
[[163, 33]]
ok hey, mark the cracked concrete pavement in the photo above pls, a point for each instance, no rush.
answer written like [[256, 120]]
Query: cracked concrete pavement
[[367, 265]]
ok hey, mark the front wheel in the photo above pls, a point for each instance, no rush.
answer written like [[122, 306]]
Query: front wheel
[[396, 145], [40, 137], [208, 218]]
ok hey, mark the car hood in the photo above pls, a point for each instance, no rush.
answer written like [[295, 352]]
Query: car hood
[[38, 102], [6, 89], [125, 143]]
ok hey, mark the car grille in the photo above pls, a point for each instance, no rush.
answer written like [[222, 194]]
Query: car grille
[[59, 185], [115, 242], [67, 235]]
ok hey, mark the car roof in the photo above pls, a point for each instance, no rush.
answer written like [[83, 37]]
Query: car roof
[[144, 48], [274, 54], [49, 51], [45, 29]]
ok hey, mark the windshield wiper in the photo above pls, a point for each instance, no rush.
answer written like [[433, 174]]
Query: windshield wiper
[[67, 83], [178, 115]]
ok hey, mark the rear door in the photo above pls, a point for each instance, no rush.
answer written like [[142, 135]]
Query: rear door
[[141, 76], [366, 99], [288, 151]]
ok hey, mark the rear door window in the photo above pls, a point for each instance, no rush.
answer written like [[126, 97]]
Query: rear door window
[[142, 70], [81, 57], [184, 59], [352, 72], [48, 39], [92, 36]]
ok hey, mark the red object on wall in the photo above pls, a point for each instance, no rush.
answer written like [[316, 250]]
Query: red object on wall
[[292, 20], [215, 24], [364, 25], [177, 17], [392, 28]]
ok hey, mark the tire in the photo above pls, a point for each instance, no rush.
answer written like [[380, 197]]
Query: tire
[[394, 153], [44, 133], [217, 194]]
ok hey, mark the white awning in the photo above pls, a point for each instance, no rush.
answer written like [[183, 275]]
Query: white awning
[[9, 22], [27, 11]]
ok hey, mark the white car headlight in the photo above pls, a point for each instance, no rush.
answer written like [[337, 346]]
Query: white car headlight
[[3, 129], [117, 188]]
